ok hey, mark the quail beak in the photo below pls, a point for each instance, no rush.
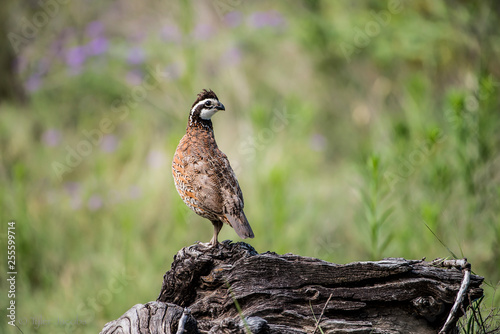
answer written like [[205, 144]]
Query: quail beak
[[220, 106]]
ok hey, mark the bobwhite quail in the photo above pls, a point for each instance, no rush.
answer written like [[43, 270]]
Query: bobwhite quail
[[203, 176]]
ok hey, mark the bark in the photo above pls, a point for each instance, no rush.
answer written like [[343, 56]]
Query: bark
[[233, 289], [153, 317]]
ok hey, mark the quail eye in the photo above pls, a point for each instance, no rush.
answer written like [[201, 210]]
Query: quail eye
[[208, 103]]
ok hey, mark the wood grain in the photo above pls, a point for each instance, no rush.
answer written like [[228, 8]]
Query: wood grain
[[286, 293]]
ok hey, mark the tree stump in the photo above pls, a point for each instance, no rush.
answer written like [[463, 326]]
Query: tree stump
[[233, 289]]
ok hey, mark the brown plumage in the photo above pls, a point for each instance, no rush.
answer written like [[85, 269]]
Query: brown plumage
[[202, 173]]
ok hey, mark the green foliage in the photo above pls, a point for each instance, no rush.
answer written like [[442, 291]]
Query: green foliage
[[376, 214], [357, 131]]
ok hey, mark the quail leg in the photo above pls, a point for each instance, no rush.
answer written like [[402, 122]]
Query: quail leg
[[213, 242], [217, 227]]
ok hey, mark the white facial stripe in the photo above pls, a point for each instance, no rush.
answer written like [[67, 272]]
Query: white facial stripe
[[207, 113], [214, 103]]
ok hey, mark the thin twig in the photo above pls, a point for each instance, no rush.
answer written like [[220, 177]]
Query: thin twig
[[321, 315], [458, 301], [460, 264], [475, 309]]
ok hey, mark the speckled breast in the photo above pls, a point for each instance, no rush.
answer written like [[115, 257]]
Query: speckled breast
[[186, 191]]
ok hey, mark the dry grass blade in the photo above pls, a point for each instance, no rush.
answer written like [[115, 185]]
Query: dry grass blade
[[321, 315]]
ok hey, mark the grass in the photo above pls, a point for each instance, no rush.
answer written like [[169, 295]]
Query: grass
[[340, 156], [480, 319], [238, 308], [318, 320], [373, 207]]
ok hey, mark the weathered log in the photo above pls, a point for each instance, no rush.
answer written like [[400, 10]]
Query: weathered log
[[153, 317], [233, 289]]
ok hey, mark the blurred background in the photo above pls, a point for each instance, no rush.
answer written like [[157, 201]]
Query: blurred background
[[357, 130]]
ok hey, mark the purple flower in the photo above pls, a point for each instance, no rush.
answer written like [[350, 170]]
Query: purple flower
[[134, 77], [270, 18], [33, 83], [72, 188], [51, 137], [233, 19], [203, 31], [75, 57], [95, 202], [318, 142], [109, 143], [97, 46], [94, 29], [136, 56], [170, 33]]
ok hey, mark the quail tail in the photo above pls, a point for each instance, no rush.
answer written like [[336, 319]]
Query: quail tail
[[240, 225]]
